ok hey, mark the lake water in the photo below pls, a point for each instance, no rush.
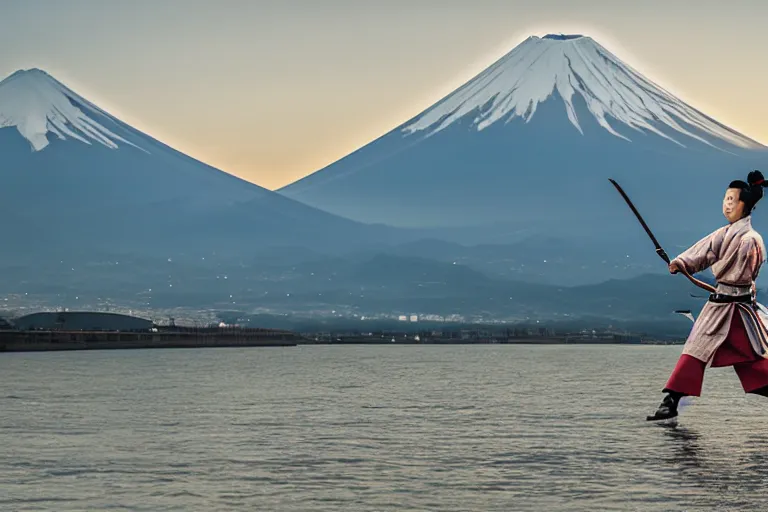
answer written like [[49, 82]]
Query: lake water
[[364, 428]]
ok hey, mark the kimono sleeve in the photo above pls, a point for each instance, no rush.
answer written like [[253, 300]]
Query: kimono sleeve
[[700, 256], [751, 253]]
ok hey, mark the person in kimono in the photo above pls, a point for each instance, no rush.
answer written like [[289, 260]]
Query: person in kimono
[[728, 331]]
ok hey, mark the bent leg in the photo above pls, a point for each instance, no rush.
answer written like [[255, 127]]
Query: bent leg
[[751, 369], [687, 377], [753, 376]]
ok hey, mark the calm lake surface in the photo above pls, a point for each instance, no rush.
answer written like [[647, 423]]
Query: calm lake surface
[[364, 428]]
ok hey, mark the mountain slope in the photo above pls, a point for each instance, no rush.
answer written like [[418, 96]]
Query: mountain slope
[[85, 179], [531, 141]]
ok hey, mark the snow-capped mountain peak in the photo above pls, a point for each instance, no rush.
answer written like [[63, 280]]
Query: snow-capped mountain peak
[[614, 93], [36, 104]]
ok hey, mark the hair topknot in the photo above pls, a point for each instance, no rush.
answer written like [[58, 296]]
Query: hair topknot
[[756, 179], [751, 190]]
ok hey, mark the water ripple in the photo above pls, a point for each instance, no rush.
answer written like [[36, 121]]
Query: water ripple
[[373, 428]]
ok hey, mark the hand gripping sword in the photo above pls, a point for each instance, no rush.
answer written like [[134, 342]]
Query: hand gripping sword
[[659, 250]]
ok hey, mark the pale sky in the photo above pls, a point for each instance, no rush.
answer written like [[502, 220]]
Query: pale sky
[[274, 90]]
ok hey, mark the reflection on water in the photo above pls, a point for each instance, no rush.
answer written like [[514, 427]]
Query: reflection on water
[[684, 445], [373, 428]]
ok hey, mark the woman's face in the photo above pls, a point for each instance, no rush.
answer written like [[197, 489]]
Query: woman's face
[[733, 207]]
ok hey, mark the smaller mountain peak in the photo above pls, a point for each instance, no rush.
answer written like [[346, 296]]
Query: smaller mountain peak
[[31, 72], [32, 77], [38, 105]]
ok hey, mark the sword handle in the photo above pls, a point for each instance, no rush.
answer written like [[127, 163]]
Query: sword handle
[[700, 284]]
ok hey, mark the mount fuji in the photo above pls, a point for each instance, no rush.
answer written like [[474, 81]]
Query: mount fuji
[[526, 148], [76, 178]]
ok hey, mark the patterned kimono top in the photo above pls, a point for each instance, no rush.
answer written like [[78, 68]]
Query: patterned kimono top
[[735, 254]]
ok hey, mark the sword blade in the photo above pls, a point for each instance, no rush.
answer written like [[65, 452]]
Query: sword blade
[[659, 250]]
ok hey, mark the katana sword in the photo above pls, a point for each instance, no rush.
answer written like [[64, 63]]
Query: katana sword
[[659, 250]]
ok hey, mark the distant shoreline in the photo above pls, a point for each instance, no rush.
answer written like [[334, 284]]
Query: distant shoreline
[[61, 340], [56, 341], [510, 341]]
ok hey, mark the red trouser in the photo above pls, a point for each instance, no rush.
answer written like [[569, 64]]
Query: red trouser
[[736, 351]]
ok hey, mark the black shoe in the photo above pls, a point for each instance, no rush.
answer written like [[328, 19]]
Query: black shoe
[[667, 409]]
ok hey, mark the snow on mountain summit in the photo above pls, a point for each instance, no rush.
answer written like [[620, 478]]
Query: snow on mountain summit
[[573, 65], [548, 121], [36, 104]]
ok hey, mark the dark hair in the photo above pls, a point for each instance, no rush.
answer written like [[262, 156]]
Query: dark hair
[[750, 192]]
